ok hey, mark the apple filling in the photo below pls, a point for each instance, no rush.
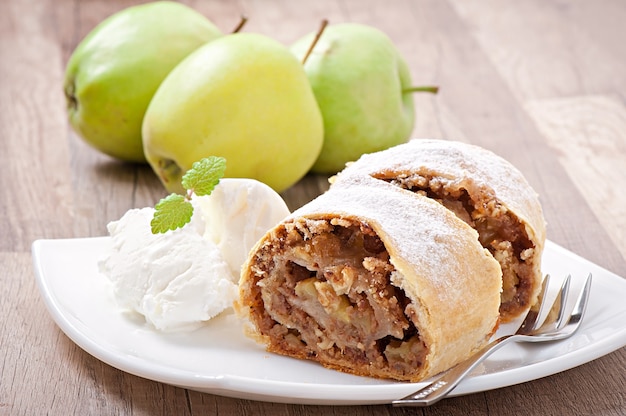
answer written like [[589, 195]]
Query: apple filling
[[323, 291], [499, 231]]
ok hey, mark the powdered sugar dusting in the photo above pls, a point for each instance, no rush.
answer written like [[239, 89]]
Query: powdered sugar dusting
[[457, 161]]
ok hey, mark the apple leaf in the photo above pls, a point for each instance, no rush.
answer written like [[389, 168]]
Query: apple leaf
[[171, 212], [204, 175]]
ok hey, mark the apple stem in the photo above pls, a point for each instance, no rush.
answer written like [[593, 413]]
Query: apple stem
[[433, 89], [317, 37], [241, 24]]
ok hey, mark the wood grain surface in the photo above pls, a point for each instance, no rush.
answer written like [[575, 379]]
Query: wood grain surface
[[540, 82]]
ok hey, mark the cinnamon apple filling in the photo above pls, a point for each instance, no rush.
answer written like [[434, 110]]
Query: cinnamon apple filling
[[322, 289], [499, 230]]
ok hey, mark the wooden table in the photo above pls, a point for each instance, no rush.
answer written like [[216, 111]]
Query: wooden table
[[542, 83]]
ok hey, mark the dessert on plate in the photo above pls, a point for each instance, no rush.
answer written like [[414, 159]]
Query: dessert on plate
[[403, 268]]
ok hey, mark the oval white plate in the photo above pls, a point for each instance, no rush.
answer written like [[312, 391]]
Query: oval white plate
[[219, 359]]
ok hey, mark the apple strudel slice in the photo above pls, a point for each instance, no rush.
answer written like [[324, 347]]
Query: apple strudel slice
[[482, 189], [373, 280]]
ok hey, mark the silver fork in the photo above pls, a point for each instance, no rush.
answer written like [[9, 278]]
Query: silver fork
[[555, 327]]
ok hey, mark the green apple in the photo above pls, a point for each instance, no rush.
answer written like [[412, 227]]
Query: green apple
[[244, 97], [363, 88], [114, 72]]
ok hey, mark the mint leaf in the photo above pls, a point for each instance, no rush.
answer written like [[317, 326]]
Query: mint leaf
[[171, 212], [174, 211], [204, 175]]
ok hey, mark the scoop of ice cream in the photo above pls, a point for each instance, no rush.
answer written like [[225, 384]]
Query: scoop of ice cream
[[238, 213], [180, 279]]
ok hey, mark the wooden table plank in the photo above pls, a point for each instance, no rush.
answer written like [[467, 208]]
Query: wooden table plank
[[33, 151], [588, 134], [551, 49]]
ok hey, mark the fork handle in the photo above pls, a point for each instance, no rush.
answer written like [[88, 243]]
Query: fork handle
[[448, 380]]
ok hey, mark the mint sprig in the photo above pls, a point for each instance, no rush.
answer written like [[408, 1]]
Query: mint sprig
[[174, 211]]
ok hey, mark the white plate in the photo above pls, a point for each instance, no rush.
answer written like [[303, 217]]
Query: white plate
[[219, 359]]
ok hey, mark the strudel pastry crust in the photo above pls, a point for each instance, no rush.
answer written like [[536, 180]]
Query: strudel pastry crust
[[482, 189], [372, 280]]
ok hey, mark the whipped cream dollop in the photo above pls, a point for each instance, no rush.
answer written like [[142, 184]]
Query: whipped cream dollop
[[180, 279]]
